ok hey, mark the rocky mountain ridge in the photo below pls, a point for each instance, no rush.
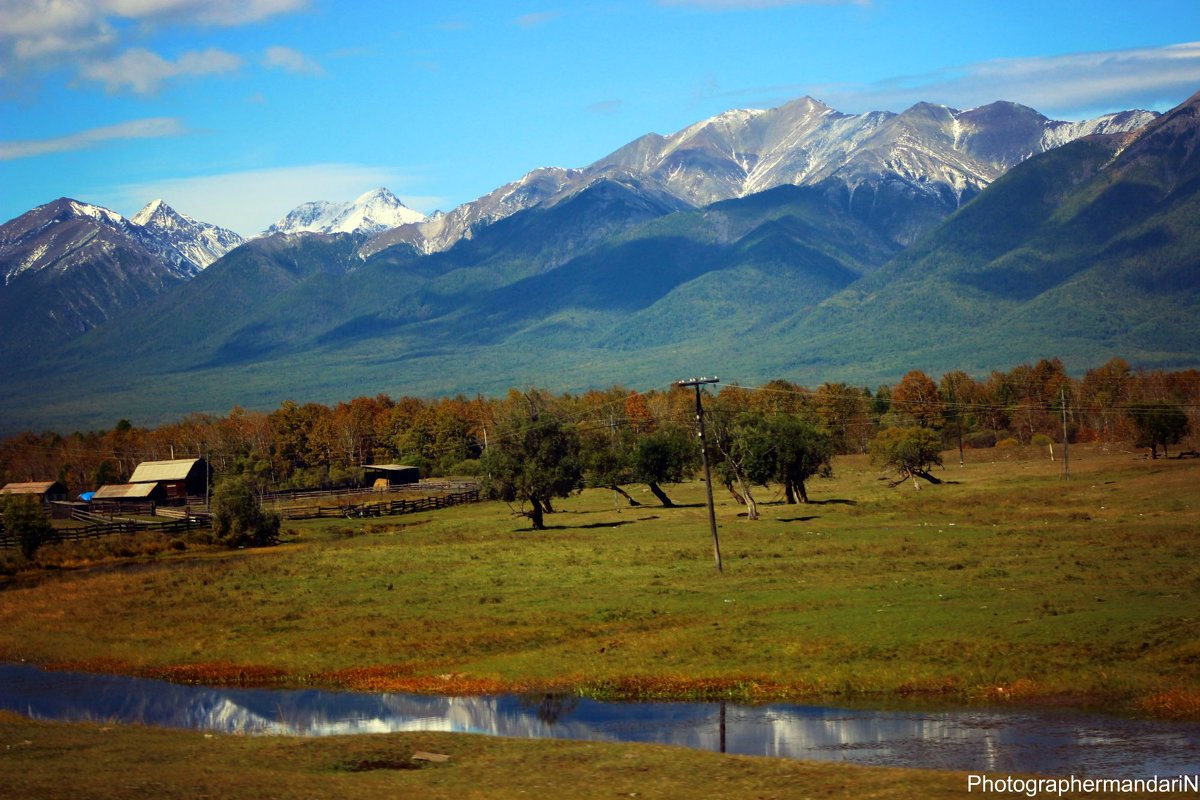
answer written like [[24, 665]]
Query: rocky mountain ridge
[[929, 155]]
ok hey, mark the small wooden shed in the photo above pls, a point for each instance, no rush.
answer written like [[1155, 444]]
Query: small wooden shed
[[178, 478], [390, 474], [45, 491]]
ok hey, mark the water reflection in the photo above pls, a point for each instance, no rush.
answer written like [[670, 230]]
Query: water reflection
[[1049, 742]]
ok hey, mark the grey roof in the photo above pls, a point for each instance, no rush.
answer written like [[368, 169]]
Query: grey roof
[[388, 467], [153, 471]]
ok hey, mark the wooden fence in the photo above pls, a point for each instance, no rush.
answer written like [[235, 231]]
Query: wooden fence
[[99, 525], [110, 525], [422, 488], [385, 508]]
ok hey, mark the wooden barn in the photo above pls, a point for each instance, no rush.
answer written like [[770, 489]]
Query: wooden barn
[[45, 491], [178, 479], [383, 475], [139, 496]]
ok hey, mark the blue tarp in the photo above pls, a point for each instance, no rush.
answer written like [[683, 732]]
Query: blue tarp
[[86, 497]]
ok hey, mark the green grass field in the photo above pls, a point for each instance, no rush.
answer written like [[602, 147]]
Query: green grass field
[[1007, 582], [45, 760]]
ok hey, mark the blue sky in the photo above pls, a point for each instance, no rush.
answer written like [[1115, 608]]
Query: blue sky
[[235, 111]]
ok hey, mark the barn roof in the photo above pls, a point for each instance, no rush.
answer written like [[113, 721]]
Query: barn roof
[[33, 487], [124, 491], [388, 467], [152, 471]]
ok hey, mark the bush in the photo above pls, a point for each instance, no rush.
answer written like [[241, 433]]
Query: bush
[[466, 469], [981, 439], [238, 518], [1041, 440], [25, 522], [1009, 442], [142, 544]]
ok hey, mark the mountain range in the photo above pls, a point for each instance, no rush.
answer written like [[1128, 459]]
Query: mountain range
[[795, 242]]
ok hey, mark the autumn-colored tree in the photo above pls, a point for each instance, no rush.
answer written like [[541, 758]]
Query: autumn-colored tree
[[917, 395], [638, 413], [1103, 392], [845, 412], [783, 397]]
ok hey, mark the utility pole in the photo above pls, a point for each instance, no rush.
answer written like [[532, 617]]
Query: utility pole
[[958, 421], [712, 514], [1066, 452]]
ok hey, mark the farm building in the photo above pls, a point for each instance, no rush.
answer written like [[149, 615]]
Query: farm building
[[379, 475], [178, 479], [45, 491], [129, 493]]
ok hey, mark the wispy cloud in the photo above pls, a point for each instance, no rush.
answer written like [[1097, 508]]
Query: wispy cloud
[[143, 72], [286, 58], [200, 12], [606, 107], [152, 128], [536, 19], [250, 201], [42, 36], [1070, 85]]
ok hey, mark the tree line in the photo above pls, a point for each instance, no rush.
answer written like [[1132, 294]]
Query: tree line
[[779, 433]]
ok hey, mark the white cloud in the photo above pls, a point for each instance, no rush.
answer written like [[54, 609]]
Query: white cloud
[[1064, 85], [41, 30], [251, 201], [88, 36], [143, 72], [200, 12], [291, 60], [152, 128]]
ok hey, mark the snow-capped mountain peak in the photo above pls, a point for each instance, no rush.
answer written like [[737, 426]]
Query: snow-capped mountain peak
[[98, 213], [372, 212], [157, 209], [181, 240]]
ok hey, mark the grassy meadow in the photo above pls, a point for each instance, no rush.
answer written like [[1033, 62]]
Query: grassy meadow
[[1006, 583], [48, 760]]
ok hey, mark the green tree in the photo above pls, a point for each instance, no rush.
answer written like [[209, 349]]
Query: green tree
[[743, 441], [608, 459], [237, 517], [25, 521], [1159, 423], [798, 451], [668, 455], [533, 458], [910, 452]]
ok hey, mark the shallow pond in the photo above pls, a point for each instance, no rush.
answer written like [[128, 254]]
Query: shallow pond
[[1054, 741]]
